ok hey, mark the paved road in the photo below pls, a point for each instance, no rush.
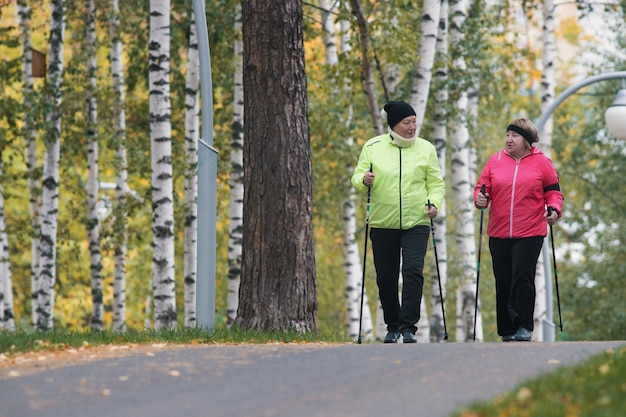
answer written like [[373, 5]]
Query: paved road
[[424, 380]]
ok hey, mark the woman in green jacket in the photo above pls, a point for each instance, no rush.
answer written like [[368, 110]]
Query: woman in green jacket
[[406, 189]]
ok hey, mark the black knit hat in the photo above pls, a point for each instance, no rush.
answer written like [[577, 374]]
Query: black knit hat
[[395, 111]]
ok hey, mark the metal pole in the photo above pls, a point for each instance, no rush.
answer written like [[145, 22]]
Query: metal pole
[[207, 182], [549, 321]]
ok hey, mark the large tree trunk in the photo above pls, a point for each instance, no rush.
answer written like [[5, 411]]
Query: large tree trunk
[[278, 286], [121, 174], [93, 222], [52, 153], [191, 174], [235, 181], [161, 162]]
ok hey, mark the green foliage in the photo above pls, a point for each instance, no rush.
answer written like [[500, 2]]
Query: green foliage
[[593, 388], [61, 339]]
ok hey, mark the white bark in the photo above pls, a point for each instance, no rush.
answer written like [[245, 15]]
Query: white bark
[[50, 191], [235, 181], [161, 162], [34, 184], [366, 67], [7, 316], [462, 192], [121, 173], [352, 258], [191, 175], [420, 87], [548, 83], [93, 222], [437, 325]]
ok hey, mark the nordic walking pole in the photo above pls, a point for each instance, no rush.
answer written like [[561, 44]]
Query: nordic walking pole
[[443, 308], [367, 225], [556, 279], [480, 244]]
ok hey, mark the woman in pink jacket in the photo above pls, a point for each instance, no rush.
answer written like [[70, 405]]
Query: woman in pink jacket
[[523, 189]]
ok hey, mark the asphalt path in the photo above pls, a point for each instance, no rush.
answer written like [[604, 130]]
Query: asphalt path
[[295, 380]]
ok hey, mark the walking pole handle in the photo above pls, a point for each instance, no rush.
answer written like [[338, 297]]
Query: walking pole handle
[[367, 223], [443, 304], [556, 278], [480, 244]]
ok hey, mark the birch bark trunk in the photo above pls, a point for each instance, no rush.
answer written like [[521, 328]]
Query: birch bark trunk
[[420, 87], [192, 133], [352, 257], [548, 83], [235, 181], [34, 180], [120, 211], [50, 191], [437, 301], [93, 222], [462, 189], [161, 162]]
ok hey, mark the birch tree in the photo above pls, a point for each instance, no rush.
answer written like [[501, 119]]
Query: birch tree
[[50, 190], [420, 87], [120, 226], [462, 189], [161, 163], [545, 144], [192, 86], [366, 66], [278, 283], [93, 223], [367, 75], [352, 258], [7, 316], [437, 328], [34, 183], [235, 180]]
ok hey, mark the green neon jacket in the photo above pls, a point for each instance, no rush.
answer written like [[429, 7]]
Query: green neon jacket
[[406, 178]]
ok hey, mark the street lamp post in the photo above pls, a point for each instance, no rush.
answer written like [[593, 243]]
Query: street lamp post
[[615, 119], [207, 182]]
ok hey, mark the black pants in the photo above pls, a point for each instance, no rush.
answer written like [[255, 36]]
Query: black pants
[[514, 266], [388, 246]]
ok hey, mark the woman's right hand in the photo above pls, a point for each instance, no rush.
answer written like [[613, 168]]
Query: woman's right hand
[[482, 200]]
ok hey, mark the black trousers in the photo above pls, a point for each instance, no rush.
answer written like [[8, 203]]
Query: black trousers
[[389, 247], [514, 266]]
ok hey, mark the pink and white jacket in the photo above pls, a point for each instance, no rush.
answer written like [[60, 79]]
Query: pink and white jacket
[[519, 192]]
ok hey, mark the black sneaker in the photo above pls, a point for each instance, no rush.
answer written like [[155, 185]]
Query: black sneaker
[[508, 338], [392, 337], [522, 335], [408, 337]]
